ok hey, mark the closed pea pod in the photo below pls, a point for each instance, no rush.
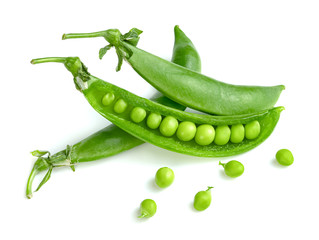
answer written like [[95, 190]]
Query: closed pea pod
[[183, 85]]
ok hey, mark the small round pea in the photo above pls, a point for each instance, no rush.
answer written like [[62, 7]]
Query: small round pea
[[168, 126], [164, 177], [138, 114], [186, 131], [237, 134], [222, 135], [148, 208], [120, 106], [205, 134], [233, 168], [154, 120], [108, 99], [202, 199], [252, 129], [284, 157]]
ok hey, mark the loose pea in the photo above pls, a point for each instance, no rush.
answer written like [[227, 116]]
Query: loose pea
[[108, 99], [237, 134], [202, 199], [186, 131], [154, 120], [222, 135], [205, 134], [120, 106], [168, 126], [138, 114], [252, 129], [164, 177], [284, 157], [233, 168], [148, 208]]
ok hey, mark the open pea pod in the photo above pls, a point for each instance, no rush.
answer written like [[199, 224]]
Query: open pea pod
[[187, 87], [159, 124]]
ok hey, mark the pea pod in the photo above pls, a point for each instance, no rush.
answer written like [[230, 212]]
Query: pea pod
[[185, 86], [94, 89], [110, 140]]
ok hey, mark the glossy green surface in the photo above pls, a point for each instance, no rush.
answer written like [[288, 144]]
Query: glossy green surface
[[112, 139], [252, 129], [233, 168], [186, 131], [168, 126], [138, 114], [188, 87], [284, 157], [164, 177], [108, 99], [237, 134], [205, 134], [154, 120], [202, 200], [148, 208], [222, 135]]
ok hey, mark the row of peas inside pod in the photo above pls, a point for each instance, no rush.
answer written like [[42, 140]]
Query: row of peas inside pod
[[168, 126]]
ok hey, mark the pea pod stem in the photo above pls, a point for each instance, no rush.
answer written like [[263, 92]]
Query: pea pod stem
[[222, 164], [50, 59], [83, 35]]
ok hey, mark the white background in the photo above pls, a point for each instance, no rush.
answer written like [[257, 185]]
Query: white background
[[240, 42]]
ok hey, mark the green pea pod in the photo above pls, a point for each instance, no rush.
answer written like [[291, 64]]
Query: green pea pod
[[94, 89], [111, 140], [185, 86]]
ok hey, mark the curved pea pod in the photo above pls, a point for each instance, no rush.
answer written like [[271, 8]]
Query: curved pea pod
[[111, 140], [94, 89], [185, 86]]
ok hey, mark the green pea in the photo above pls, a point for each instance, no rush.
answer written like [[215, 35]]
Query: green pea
[[120, 106], [148, 208], [186, 131], [164, 177], [233, 168], [202, 199], [168, 126], [138, 114], [222, 135], [205, 134], [252, 129], [237, 134], [284, 157], [108, 99], [154, 120]]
